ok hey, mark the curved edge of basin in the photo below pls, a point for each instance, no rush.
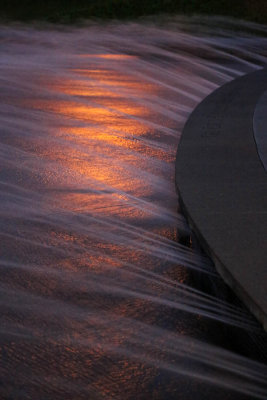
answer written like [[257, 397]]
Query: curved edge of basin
[[260, 128], [222, 187]]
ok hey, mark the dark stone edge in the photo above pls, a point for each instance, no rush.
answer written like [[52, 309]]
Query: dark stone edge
[[257, 311], [221, 268]]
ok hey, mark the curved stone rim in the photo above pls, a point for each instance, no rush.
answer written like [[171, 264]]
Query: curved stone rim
[[260, 128], [222, 187]]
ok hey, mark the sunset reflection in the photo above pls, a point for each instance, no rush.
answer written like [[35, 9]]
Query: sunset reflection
[[101, 139]]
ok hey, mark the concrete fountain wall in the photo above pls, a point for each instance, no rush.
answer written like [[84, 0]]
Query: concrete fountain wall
[[222, 185]]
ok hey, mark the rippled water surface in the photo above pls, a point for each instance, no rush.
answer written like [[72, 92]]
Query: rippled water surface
[[103, 295]]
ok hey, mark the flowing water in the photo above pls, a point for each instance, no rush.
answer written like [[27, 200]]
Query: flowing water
[[103, 295]]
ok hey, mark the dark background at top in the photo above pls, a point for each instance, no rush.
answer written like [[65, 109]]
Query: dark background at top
[[73, 10]]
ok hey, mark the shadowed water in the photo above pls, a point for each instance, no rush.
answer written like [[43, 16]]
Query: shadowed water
[[103, 294]]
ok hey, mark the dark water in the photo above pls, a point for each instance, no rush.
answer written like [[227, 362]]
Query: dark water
[[102, 295]]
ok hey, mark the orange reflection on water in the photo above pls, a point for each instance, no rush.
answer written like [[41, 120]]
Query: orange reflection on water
[[119, 80], [119, 57], [100, 141]]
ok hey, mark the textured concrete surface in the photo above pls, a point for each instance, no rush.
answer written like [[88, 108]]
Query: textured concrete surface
[[260, 128], [222, 186]]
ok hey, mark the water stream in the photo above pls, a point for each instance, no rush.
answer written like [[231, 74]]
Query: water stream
[[103, 294]]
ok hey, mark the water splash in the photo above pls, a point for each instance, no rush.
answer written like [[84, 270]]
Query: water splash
[[100, 298]]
